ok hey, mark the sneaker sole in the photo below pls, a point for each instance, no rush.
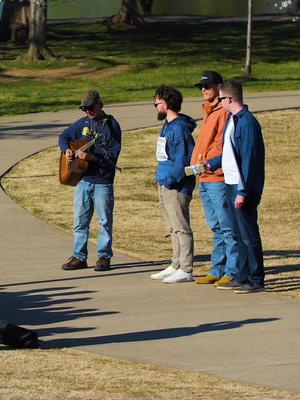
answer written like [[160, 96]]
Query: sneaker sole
[[102, 269], [72, 268], [216, 284], [157, 279], [160, 278], [249, 291], [227, 288], [189, 280]]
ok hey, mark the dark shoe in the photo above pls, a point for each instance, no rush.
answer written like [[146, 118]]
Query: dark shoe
[[230, 285], [102, 264], [74, 263], [249, 289]]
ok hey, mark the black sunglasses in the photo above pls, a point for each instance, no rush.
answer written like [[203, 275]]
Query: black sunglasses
[[206, 87], [225, 97], [86, 109], [156, 104]]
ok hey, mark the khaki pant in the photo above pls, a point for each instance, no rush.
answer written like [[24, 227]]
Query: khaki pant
[[175, 209]]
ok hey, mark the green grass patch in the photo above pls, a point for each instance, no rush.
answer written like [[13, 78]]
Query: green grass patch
[[156, 53]]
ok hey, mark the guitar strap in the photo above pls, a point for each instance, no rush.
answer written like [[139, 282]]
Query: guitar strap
[[105, 154]]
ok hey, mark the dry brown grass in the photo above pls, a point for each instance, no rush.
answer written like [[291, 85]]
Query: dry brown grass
[[138, 226], [71, 374]]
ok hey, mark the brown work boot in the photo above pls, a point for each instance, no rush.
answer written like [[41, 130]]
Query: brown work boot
[[74, 263], [102, 264]]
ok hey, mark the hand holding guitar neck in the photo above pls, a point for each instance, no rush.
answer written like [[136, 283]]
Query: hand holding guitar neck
[[86, 156], [71, 155]]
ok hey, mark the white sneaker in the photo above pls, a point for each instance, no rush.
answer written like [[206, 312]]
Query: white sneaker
[[179, 276], [164, 273]]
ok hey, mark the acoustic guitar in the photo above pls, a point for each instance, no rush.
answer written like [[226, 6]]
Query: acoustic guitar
[[71, 171]]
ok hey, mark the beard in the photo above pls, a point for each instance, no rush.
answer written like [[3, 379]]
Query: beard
[[161, 116]]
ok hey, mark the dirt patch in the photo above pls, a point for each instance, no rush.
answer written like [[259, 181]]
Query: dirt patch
[[69, 72]]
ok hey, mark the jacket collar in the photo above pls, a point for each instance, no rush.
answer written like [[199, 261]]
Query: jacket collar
[[210, 107], [241, 112]]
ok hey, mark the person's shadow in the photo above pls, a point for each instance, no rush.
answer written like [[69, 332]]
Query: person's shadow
[[282, 277], [48, 306], [156, 334]]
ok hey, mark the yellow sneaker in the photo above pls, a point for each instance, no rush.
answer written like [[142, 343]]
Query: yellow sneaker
[[207, 279], [224, 279]]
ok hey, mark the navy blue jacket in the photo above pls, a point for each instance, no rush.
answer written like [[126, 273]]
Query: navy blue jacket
[[179, 148], [106, 149], [249, 150]]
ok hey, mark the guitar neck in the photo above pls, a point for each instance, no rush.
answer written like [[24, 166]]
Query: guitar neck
[[85, 146]]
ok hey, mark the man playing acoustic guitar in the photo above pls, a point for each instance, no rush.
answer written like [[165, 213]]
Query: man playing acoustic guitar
[[94, 191]]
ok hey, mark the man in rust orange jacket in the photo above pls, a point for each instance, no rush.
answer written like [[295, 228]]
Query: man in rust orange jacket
[[224, 256]]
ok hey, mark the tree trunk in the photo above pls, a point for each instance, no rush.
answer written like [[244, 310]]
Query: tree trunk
[[146, 6], [247, 69], [37, 32], [14, 21], [128, 14]]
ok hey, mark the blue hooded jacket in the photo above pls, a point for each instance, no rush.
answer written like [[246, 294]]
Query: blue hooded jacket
[[179, 147], [249, 151], [106, 149]]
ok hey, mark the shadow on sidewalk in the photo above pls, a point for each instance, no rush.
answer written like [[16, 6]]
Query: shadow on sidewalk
[[46, 306], [139, 267], [284, 277], [159, 334]]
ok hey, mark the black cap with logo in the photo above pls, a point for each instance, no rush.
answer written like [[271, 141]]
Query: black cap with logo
[[209, 78]]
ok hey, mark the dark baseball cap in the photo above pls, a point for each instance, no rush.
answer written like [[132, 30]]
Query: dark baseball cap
[[90, 99], [209, 78]]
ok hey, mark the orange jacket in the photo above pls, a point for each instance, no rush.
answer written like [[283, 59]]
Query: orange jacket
[[209, 140]]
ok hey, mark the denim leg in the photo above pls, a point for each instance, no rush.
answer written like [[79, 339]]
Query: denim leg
[[247, 220], [224, 257], [83, 212], [247, 231], [103, 197]]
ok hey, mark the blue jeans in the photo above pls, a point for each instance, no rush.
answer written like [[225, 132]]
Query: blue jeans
[[87, 198], [224, 256], [245, 228]]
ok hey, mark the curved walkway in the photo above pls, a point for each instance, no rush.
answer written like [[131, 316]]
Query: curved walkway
[[123, 313]]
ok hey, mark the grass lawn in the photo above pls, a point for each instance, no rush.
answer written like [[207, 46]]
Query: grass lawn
[[74, 375], [128, 64], [137, 204]]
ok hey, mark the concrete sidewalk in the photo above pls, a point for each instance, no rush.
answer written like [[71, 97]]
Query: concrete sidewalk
[[122, 313]]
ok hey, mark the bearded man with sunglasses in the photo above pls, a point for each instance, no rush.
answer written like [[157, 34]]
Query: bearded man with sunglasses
[[173, 152], [94, 191], [224, 256]]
